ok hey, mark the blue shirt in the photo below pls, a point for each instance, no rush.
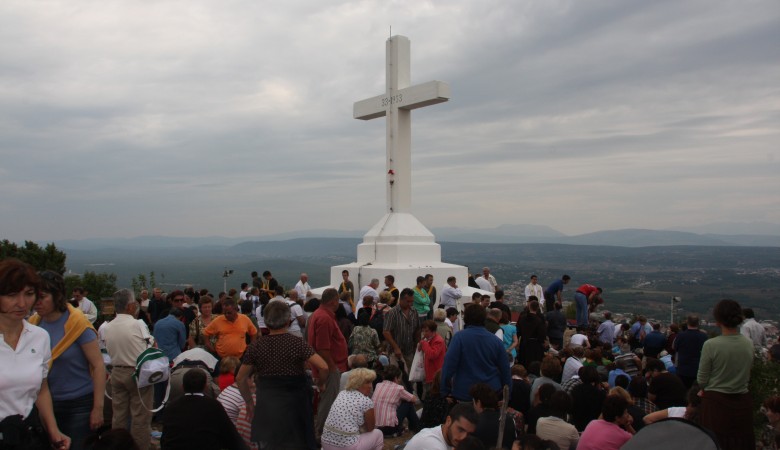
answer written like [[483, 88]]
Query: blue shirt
[[69, 377], [614, 374], [688, 345], [606, 332], [654, 343], [170, 335], [474, 356], [636, 329], [553, 289]]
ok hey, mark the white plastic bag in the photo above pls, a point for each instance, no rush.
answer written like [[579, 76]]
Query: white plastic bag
[[417, 371]]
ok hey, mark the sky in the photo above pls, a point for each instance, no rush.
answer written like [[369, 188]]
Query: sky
[[234, 118]]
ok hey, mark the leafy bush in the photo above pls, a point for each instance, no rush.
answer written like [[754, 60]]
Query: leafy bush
[[764, 383]]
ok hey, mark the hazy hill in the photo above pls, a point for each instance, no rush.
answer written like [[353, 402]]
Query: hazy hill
[[643, 238], [503, 234]]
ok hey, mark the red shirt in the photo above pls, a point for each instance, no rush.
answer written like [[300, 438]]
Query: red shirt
[[587, 289], [434, 356], [324, 334]]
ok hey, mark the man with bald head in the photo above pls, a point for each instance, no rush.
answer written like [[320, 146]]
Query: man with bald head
[[487, 282], [368, 290], [303, 288]]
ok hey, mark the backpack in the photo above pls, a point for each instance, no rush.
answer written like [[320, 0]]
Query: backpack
[[377, 321]]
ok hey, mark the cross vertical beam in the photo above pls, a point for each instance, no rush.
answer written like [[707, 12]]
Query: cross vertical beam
[[396, 104], [399, 128]]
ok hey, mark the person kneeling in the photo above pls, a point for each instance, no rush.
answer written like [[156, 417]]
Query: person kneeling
[[197, 421], [393, 403], [353, 409]]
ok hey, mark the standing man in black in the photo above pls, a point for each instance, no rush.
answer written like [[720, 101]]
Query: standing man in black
[[347, 286], [688, 345], [431, 289], [269, 284]]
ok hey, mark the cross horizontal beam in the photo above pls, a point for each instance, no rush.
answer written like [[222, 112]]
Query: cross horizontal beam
[[409, 98]]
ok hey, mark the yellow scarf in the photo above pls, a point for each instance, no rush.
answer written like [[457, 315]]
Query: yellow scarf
[[74, 327], [351, 302]]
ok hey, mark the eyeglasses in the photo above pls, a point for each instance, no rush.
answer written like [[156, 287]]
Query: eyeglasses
[[178, 300]]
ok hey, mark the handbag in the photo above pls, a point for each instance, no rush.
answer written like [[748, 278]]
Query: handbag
[[151, 367], [417, 371]]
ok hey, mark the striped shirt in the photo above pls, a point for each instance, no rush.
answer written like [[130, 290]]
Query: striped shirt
[[244, 426], [403, 328], [387, 396], [232, 401]]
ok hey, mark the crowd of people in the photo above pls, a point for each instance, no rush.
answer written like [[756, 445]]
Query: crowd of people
[[266, 368]]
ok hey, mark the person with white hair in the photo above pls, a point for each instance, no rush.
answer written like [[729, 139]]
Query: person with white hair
[[352, 410], [126, 338], [368, 290], [487, 282]]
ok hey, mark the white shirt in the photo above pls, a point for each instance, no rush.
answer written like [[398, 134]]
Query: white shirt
[[126, 337], [367, 290], [570, 368], [492, 280], [579, 339], [259, 317], [557, 430], [428, 439], [102, 335], [534, 289], [302, 289], [449, 296], [197, 354], [484, 284], [242, 295], [754, 331], [295, 312], [23, 370], [88, 308]]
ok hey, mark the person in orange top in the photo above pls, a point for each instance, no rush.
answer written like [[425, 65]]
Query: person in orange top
[[230, 330], [433, 347]]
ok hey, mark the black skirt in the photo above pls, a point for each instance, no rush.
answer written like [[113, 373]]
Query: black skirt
[[284, 418]]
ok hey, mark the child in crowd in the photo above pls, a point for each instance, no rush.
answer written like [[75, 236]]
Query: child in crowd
[[227, 371]]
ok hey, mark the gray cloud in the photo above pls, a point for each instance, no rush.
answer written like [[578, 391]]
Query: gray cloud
[[194, 119]]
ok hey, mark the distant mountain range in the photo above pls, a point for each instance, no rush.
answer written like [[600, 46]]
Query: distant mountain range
[[765, 235]]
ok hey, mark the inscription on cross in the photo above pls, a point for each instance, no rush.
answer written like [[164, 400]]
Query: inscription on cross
[[396, 104]]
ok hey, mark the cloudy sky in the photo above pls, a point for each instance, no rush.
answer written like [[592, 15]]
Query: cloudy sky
[[234, 118]]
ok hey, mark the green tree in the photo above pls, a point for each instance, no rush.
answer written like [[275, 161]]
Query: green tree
[[42, 258], [764, 383], [141, 282]]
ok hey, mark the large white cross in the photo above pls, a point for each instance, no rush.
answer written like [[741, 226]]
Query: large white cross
[[397, 104]]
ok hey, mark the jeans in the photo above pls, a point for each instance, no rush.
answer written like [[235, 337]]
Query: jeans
[[406, 411], [73, 419], [582, 309]]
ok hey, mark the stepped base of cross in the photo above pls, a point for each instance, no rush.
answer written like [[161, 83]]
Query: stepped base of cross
[[401, 246]]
